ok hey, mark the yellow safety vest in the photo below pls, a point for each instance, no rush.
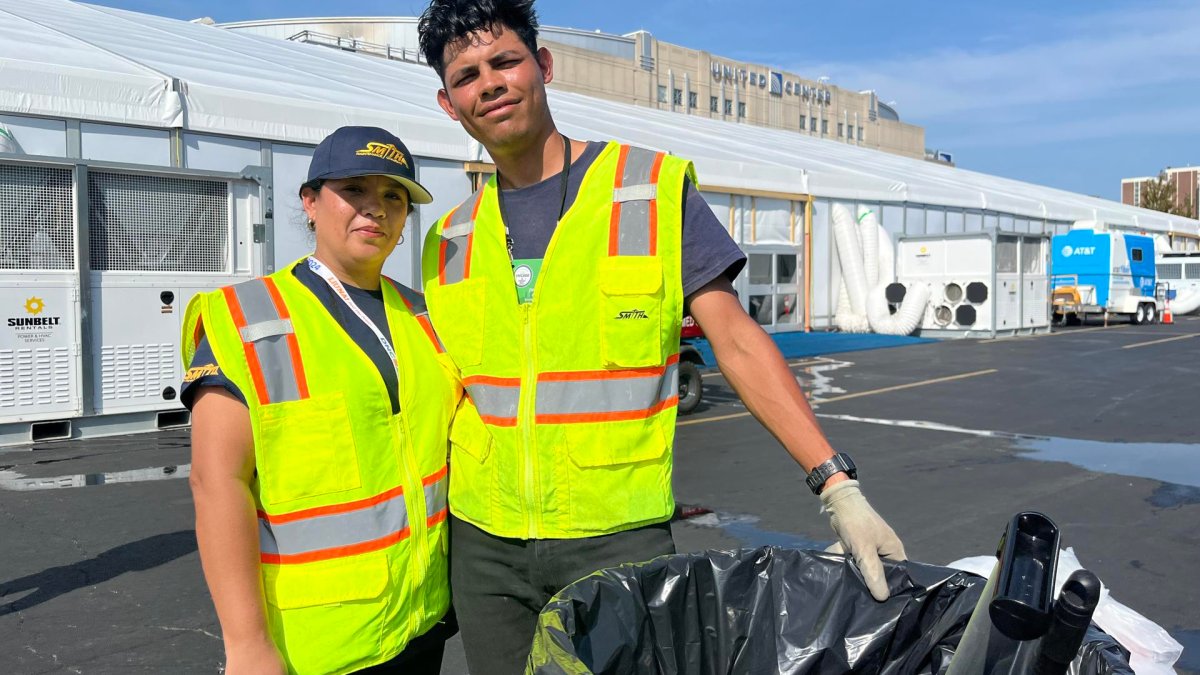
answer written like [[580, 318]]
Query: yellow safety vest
[[351, 499], [570, 417]]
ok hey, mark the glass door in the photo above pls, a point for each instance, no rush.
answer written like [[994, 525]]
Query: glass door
[[772, 289]]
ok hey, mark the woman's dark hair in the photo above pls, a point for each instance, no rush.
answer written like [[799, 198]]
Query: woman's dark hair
[[445, 21]]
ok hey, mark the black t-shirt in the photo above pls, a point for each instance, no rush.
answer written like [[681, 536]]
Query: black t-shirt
[[204, 371], [532, 216]]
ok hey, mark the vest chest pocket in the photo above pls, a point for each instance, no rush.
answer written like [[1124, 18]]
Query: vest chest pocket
[[305, 448], [631, 289], [458, 317]]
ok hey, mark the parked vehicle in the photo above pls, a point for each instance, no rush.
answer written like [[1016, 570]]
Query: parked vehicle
[[690, 361], [1099, 272]]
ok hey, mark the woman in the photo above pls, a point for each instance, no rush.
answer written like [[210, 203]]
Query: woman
[[321, 404]]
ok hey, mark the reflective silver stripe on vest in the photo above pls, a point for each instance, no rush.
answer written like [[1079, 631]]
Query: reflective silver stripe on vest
[[494, 400], [635, 197], [625, 394], [416, 304], [335, 530], [268, 332], [415, 300], [455, 236], [435, 497]]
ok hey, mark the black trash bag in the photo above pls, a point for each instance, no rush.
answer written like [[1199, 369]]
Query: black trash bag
[[768, 610]]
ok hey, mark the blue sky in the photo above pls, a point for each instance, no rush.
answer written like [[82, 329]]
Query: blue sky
[[1074, 95]]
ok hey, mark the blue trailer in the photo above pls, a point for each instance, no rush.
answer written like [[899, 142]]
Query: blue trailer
[[1096, 272]]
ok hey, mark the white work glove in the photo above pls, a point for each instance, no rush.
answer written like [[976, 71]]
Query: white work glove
[[862, 534]]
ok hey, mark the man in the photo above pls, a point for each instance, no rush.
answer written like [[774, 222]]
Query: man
[[559, 291]]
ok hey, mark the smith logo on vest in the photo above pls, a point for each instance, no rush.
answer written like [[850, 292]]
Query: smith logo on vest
[[198, 372], [384, 151], [632, 314]]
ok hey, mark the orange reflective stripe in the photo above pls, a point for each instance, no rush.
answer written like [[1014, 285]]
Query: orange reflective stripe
[[293, 344], [499, 421], [493, 381], [578, 375], [433, 478], [336, 552], [239, 321], [436, 518], [346, 507], [658, 160], [422, 317], [198, 332], [624, 415]]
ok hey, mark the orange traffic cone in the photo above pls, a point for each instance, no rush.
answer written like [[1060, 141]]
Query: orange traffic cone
[[1167, 317]]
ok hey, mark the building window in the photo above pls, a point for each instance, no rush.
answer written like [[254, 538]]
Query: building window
[[860, 134], [841, 128], [714, 104], [824, 127], [812, 124], [741, 109], [677, 97], [662, 94], [728, 107], [692, 97]]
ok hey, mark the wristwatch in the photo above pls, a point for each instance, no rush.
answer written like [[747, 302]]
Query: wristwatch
[[837, 464]]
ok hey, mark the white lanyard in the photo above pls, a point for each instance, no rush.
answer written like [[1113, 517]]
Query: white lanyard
[[340, 289]]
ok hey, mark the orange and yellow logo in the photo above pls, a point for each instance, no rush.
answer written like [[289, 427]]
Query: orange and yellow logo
[[35, 305], [383, 151]]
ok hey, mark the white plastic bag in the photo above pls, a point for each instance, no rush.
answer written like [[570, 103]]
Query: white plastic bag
[[1152, 651]]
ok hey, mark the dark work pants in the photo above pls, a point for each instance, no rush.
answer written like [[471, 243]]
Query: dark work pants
[[500, 585]]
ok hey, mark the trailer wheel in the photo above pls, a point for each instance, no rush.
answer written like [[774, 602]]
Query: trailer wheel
[[690, 387], [1139, 317], [1151, 314]]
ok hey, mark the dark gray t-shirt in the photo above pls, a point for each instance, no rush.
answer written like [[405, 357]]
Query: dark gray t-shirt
[[707, 249], [204, 362]]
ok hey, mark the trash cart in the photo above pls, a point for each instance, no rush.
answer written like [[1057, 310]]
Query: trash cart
[[768, 610]]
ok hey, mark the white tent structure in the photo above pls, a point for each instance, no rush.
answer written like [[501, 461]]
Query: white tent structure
[[86, 90]]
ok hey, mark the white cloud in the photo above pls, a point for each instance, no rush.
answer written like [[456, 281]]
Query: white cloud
[[1098, 59]]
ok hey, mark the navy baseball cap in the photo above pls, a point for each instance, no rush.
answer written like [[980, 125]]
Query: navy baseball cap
[[367, 151]]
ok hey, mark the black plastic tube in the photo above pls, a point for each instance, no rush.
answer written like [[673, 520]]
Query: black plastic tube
[[1071, 617]]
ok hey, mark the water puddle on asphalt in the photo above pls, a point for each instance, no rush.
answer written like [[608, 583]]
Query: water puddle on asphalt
[[1177, 463], [745, 529], [1174, 464], [12, 480], [815, 380]]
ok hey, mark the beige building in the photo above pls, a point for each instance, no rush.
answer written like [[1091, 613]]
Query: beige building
[[638, 68]]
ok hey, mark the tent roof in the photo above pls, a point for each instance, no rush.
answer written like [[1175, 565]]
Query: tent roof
[[65, 59]]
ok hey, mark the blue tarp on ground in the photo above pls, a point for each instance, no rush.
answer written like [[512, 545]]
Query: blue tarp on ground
[[799, 345]]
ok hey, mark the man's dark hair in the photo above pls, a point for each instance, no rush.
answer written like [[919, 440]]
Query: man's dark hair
[[445, 21]]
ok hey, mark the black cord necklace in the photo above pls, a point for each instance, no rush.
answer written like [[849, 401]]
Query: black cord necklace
[[564, 179]]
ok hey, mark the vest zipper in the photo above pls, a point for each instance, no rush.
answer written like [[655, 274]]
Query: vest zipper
[[527, 420]]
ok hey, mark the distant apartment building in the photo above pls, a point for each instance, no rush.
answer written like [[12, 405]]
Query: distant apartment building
[[637, 68], [1187, 188]]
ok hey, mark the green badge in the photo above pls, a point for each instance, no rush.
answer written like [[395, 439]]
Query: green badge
[[525, 274]]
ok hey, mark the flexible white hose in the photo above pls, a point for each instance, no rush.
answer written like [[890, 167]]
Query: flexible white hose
[[854, 276], [864, 251], [8, 143], [1186, 302], [868, 234], [906, 319]]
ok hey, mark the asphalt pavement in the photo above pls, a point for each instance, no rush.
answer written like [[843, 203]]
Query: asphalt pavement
[[1093, 426]]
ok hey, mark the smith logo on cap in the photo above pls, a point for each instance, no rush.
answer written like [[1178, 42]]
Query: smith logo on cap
[[384, 151]]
